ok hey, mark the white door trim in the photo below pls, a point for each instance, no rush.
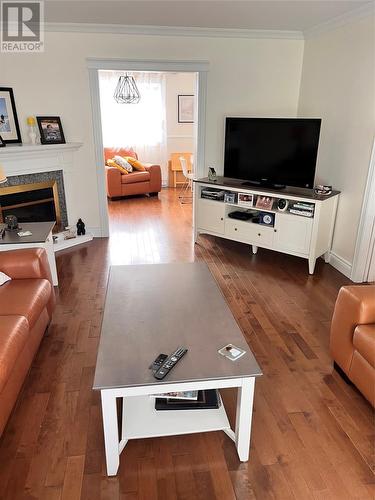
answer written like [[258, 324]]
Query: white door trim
[[366, 231], [94, 65]]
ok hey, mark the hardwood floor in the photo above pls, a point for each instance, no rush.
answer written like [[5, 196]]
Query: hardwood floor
[[313, 435]]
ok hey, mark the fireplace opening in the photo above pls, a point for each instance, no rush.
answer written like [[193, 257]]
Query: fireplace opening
[[37, 202]]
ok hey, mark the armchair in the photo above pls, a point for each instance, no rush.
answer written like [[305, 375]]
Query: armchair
[[352, 341], [135, 182]]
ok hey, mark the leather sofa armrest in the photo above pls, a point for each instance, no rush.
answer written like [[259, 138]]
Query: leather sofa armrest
[[355, 305], [113, 178], [155, 177], [28, 263], [25, 263]]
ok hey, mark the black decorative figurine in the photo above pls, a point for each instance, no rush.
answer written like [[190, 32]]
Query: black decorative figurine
[[80, 228]]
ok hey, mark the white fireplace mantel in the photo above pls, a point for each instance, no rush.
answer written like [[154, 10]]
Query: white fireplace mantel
[[29, 159]]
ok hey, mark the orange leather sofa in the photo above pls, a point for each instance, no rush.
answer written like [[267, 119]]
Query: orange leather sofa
[[352, 341], [26, 306], [135, 182]]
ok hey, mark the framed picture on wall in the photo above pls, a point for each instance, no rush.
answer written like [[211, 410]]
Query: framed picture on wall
[[185, 108], [9, 127], [50, 129]]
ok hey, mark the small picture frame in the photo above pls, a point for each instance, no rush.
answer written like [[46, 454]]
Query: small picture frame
[[230, 198], [264, 202], [245, 200], [185, 108], [212, 174], [50, 129], [2, 143], [9, 126]]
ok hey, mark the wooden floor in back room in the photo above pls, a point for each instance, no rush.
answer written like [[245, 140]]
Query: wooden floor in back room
[[312, 437]]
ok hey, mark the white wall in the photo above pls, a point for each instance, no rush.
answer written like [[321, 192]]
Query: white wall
[[180, 136], [338, 85], [247, 76]]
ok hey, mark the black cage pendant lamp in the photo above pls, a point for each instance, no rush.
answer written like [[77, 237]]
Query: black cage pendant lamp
[[127, 91]]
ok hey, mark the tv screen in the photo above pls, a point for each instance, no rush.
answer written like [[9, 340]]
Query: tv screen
[[273, 152]]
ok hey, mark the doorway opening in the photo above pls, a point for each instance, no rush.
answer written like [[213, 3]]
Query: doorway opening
[[149, 130], [94, 65]]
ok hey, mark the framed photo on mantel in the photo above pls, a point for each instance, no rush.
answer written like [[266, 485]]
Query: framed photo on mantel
[[9, 127], [50, 129]]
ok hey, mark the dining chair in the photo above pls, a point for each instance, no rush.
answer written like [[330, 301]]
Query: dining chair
[[188, 184]]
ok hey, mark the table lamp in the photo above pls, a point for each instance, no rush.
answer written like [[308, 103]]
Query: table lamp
[[3, 177]]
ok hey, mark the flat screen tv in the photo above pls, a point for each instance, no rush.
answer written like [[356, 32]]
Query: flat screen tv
[[272, 152]]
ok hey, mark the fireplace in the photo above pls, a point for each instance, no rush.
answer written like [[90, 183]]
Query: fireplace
[[37, 202], [35, 198]]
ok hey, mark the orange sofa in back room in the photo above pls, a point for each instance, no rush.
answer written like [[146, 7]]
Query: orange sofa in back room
[[133, 183]]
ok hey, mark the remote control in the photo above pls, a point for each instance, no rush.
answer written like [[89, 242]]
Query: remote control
[[155, 365], [169, 363]]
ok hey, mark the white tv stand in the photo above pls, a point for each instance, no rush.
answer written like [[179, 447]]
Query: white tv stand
[[294, 234]]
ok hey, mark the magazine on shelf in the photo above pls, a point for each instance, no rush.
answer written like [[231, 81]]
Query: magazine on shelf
[[207, 400], [185, 395]]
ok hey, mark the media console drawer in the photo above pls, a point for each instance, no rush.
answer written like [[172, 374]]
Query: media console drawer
[[210, 215], [249, 232]]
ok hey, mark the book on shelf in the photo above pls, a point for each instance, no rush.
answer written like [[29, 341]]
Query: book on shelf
[[185, 395], [206, 400]]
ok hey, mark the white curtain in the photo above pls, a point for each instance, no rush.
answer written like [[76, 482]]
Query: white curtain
[[141, 126]]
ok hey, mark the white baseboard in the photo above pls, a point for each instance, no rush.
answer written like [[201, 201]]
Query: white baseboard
[[340, 264], [95, 231]]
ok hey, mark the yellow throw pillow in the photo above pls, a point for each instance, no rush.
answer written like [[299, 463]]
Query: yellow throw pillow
[[112, 163], [137, 165]]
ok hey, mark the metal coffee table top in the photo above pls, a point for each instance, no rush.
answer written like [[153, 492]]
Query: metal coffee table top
[[152, 309]]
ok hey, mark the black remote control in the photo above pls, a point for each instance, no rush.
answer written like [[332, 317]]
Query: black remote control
[[156, 364], [169, 363]]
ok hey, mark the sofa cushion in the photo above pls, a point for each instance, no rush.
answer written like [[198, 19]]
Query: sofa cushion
[[122, 162], [135, 177], [25, 298], [136, 164], [13, 335], [4, 278], [113, 164], [364, 342]]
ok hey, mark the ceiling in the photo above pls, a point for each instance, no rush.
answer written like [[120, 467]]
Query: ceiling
[[300, 15]]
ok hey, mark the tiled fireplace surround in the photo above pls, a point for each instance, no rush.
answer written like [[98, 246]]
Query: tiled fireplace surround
[[29, 164], [57, 176]]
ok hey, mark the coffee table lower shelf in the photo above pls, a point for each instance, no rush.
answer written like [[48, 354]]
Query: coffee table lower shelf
[[141, 420]]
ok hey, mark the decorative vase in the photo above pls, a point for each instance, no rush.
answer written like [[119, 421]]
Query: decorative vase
[[30, 120], [32, 135]]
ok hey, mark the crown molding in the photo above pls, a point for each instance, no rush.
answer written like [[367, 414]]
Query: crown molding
[[336, 22], [123, 29]]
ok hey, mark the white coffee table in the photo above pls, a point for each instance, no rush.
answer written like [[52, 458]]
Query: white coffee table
[[152, 309]]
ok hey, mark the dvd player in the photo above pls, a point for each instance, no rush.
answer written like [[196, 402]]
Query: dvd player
[[238, 214]]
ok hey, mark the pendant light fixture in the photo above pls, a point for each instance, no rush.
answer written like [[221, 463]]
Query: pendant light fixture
[[127, 91]]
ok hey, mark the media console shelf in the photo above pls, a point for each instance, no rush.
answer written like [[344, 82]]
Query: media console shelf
[[307, 233]]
